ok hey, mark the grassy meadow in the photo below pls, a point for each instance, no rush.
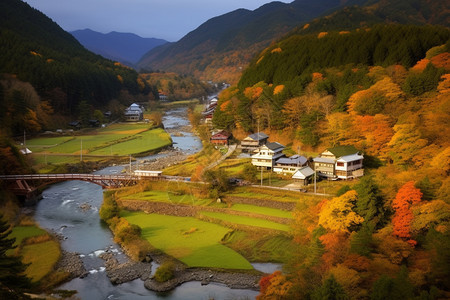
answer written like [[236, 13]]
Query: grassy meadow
[[116, 140]]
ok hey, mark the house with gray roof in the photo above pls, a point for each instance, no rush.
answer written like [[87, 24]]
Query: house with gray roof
[[254, 141], [289, 165], [303, 175], [134, 113], [267, 155]]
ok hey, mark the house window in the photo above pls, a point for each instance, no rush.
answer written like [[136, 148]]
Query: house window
[[340, 164]]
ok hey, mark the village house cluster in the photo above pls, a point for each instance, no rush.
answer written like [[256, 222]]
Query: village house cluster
[[341, 162]]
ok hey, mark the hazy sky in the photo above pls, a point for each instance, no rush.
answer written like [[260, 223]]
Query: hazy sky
[[166, 19]]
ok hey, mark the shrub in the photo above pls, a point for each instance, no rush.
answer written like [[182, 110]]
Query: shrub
[[165, 272]]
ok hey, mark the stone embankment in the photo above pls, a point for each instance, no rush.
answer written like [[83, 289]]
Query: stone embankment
[[180, 210], [234, 280]]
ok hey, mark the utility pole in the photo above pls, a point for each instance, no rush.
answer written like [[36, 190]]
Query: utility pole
[[130, 163], [24, 142], [315, 177], [261, 174]]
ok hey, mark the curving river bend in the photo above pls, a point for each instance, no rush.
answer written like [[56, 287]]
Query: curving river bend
[[71, 209]]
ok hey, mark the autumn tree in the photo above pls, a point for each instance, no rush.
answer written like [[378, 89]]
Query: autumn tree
[[278, 287], [406, 143], [375, 132], [406, 196], [338, 214]]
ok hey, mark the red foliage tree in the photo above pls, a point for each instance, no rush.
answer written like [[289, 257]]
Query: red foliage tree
[[407, 195]]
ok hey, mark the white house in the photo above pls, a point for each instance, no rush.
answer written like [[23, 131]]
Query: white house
[[289, 164], [267, 155], [344, 162], [350, 166], [134, 113]]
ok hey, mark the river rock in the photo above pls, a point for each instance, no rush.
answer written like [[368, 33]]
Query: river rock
[[72, 264], [125, 272]]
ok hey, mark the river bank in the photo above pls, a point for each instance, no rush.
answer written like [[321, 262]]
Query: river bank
[[98, 266]]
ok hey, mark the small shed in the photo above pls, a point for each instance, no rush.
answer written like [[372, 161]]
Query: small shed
[[303, 175]]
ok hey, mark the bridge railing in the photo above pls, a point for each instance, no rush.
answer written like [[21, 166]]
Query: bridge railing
[[67, 177]]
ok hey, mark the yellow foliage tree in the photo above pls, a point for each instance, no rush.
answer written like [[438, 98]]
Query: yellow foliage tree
[[337, 214]]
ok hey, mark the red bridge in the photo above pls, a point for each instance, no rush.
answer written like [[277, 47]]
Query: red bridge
[[29, 185]]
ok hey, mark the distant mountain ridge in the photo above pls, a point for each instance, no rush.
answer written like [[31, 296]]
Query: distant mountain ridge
[[221, 47], [126, 48]]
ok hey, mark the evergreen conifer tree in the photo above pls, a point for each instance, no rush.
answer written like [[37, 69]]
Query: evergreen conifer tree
[[12, 278]]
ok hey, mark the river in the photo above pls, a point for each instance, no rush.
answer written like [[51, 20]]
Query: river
[[84, 233]]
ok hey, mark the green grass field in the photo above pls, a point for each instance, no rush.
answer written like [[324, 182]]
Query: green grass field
[[42, 257], [194, 242], [143, 142], [22, 232], [247, 221], [263, 210], [115, 140]]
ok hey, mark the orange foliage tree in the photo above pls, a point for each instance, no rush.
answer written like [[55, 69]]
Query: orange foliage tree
[[277, 288], [377, 132], [407, 195]]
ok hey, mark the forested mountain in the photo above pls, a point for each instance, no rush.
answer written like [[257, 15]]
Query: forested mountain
[[221, 47], [127, 48], [384, 89], [50, 72]]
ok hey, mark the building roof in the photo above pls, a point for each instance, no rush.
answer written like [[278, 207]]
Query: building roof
[[303, 173], [274, 146], [294, 159], [343, 150], [352, 157], [133, 108], [221, 134], [258, 136], [323, 160]]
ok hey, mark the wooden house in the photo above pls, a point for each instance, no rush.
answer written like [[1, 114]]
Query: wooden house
[[254, 141], [220, 138]]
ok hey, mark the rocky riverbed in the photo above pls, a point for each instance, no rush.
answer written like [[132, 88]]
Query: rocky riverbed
[[71, 263]]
